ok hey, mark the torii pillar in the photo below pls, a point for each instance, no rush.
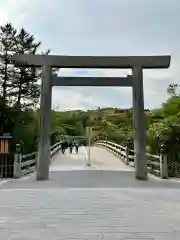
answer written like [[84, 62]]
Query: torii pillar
[[139, 127]]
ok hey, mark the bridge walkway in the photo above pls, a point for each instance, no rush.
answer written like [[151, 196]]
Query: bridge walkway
[[100, 160]]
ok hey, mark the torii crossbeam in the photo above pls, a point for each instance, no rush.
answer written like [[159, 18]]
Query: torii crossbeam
[[93, 81]]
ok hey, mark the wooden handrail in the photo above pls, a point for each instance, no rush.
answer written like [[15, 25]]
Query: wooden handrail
[[121, 151]]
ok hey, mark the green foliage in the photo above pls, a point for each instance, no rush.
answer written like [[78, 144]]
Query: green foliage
[[172, 89], [19, 88], [164, 125]]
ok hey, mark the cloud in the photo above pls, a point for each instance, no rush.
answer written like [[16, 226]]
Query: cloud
[[67, 99], [103, 27]]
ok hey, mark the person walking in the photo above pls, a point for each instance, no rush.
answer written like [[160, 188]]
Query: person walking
[[63, 147], [70, 147], [65, 144], [77, 147]]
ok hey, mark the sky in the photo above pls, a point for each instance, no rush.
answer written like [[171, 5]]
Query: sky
[[103, 27]]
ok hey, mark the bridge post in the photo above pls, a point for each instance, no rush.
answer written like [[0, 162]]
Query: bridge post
[[139, 124], [127, 155], [163, 162], [45, 124], [17, 162]]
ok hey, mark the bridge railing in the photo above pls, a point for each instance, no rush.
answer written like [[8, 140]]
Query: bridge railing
[[156, 165], [25, 164]]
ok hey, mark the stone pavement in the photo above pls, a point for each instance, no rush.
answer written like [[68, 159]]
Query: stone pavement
[[89, 214], [80, 204]]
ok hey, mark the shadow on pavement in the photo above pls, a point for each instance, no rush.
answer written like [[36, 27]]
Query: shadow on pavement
[[90, 179]]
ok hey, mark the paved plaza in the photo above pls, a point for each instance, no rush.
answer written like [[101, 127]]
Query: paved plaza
[[103, 201]]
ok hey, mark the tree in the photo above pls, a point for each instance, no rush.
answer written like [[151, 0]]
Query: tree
[[7, 40], [19, 87], [172, 89], [26, 89], [6, 118]]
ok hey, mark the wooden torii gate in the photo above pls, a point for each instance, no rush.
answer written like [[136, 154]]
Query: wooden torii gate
[[136, 63]]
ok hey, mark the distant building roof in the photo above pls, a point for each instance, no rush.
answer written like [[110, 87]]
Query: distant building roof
[[5, 137]]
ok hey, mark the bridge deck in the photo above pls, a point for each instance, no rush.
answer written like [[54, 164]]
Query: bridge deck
[[103, 203], [100, 160]]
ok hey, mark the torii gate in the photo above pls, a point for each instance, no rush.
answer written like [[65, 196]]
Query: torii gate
[[136, 63]]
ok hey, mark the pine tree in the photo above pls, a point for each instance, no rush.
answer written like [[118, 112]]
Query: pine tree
[[26, 87], [7, 40], [19, 86]]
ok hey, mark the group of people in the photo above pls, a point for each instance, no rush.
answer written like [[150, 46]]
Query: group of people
[[69, 144]]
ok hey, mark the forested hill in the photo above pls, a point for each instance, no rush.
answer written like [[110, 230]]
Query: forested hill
[[163, 124]]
